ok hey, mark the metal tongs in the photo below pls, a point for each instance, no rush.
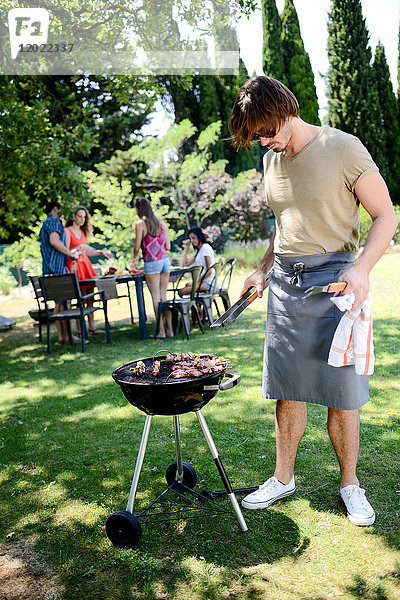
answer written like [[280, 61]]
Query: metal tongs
[[330, 288], [236, 309]]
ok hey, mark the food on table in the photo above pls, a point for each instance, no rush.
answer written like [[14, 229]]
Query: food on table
[[134, 271]]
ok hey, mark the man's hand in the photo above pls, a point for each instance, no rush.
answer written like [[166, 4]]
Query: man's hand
[[373, 194], [357, 283], [256, 279]]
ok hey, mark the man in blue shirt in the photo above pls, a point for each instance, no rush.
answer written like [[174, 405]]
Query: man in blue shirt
[[54, 256]]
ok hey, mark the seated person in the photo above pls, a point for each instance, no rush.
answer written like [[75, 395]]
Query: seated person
[[204, 257]]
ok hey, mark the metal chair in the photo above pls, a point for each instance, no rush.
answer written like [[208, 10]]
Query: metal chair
[[226, 275], [109, 287], [61, 289], [183, 306], [38, 314], [127, 295], [118, 294], [207, 299]]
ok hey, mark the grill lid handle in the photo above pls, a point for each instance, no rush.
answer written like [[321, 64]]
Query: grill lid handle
[[233, 379]]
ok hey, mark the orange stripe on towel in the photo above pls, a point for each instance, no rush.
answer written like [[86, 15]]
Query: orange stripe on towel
[[347, 349], [368, 349]]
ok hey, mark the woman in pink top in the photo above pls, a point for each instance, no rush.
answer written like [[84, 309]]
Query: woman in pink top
[[153, 238]]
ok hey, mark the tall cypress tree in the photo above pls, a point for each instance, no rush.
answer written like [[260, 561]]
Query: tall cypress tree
[[298, 72], [272, 45], [353, 104], [389, 108], [398, 79], [398, 66], [205, 99], [216, 95]]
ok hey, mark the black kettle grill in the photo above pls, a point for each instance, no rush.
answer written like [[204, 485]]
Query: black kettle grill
[[162, 395]]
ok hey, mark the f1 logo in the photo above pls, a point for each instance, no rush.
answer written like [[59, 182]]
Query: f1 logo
[[27, 26]]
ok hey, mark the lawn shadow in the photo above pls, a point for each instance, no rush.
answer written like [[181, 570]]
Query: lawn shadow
[[70, 460], [70, 457], [378, 470]]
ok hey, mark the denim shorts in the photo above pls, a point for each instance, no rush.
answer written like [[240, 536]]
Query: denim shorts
[[157, 266]]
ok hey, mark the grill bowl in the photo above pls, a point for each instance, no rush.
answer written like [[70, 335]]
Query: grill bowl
[[155, 396]]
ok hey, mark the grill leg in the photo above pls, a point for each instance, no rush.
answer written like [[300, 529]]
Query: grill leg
[[139, 463], [221, 471], [178, 449]]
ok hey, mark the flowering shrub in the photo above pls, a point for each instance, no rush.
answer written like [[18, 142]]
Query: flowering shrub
[[7, 281]]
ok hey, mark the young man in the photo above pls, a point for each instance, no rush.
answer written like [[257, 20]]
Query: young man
[[54, 257], [315, 179]]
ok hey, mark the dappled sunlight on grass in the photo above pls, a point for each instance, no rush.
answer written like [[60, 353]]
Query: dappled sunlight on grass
[[76, 511], [69, 441], [101, 412]]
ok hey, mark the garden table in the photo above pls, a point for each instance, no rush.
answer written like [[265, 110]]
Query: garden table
[[138, 278]]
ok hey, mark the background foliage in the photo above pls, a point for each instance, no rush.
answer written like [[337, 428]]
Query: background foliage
[[80, 139]]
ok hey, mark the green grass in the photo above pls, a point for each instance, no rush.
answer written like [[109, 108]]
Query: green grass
[[248, 254], [69, 441]]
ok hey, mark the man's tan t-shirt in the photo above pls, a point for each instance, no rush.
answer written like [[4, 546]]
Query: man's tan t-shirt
[[312, 194]]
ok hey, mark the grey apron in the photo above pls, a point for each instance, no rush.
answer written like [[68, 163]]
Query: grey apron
[[299, 334]]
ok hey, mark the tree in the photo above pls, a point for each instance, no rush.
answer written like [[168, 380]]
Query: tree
[[204, 99], [353, 104], [113, 109], [272, 43], [398, 78], [24, 253], [97, 29], [35, 157], [116, 221], [389, 108], [299, 75], [117, 107], [76, 122], [217, 94], [186, 192]]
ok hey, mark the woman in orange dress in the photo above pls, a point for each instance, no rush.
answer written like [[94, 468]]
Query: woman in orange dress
[[76, 231]]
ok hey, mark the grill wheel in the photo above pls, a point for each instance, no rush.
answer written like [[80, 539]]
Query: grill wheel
[[189, 475], [123, 529]]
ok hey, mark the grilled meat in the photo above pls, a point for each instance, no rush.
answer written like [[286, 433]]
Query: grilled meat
[[155, 368], [140, 368]]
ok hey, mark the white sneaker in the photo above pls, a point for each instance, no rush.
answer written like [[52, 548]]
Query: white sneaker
[[359, 510], [268, 493]]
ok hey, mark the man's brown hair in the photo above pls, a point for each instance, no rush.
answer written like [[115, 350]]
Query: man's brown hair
[[262, 104]]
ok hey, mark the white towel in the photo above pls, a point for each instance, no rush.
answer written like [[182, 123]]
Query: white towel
[[353, 343]]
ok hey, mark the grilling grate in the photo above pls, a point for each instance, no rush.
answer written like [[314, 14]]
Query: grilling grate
[[126, 372]]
